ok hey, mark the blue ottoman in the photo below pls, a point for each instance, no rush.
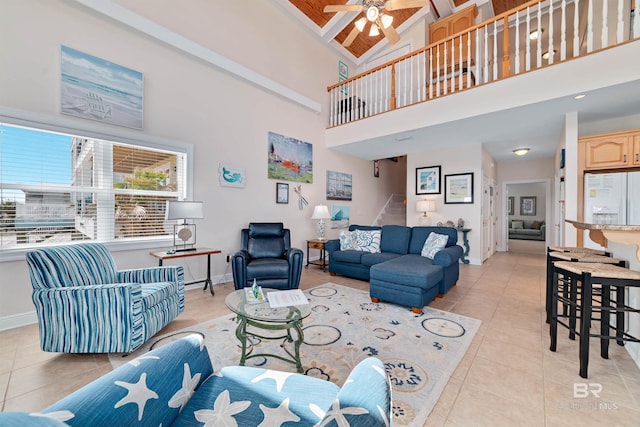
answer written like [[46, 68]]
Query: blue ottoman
[[409, 280]]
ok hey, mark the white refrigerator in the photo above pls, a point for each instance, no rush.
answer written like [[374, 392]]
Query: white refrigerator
[[611, 198]]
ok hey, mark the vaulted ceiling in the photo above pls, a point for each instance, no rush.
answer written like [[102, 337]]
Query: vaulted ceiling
[[335, 27]]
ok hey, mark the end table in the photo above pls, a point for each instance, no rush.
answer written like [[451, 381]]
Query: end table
[[198, 252], [317, 244]]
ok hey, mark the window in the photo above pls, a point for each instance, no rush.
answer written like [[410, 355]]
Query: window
[[57, 188]]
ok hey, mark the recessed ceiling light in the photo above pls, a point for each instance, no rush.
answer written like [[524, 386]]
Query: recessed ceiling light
[[520, 151], [582, 95], [546, 54]]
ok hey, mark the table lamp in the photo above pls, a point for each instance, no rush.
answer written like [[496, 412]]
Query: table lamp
[[184, 234], [321, 212], [425, 206]]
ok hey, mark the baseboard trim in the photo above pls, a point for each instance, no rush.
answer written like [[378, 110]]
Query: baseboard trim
[[18, 320]]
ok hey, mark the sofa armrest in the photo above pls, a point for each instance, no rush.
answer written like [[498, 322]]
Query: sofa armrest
[[448, 256], [543, 230], [332, 246], [150, 390], [30, 419], [367, 395]]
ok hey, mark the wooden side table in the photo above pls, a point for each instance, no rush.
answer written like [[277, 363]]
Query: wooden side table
[[319, 245], [185, 254]]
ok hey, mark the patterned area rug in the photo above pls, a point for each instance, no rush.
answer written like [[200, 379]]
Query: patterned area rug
[[420, 352]]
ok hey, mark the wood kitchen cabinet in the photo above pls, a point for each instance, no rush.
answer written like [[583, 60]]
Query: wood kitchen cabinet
[[611, 151]]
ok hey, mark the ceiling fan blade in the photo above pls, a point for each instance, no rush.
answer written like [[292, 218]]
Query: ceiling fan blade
[[343, 8], [351, 37], [404, 4], [390, 33]]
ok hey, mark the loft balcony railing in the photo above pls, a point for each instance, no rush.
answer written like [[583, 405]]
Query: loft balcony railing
[[487, 53]]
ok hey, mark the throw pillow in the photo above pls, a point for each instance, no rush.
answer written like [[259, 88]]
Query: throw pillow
[[434, 243], [345, 241], [517, 224], [537, 225], [366, 240]]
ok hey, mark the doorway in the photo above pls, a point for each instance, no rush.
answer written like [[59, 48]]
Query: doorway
[[528, 216]]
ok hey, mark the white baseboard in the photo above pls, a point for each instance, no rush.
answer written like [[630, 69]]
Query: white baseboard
[[18, 320]]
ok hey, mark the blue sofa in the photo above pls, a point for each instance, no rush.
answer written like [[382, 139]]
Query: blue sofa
[[398, 273], [175, 385]]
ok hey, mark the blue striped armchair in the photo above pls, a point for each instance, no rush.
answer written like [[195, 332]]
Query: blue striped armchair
[[85, 305]]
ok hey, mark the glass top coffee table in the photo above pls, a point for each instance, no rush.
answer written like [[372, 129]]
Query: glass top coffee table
[[262, 317]]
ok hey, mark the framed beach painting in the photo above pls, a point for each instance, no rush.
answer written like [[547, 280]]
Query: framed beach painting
[[339, 186], [458, 188], [428, 180], [97, 89], [231, 176], [339, 216]]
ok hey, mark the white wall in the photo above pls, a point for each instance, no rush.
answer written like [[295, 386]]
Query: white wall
[[460, 160], [187, 100]]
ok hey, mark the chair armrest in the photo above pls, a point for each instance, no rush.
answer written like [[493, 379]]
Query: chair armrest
[[448, 256], [173, 273], [295, 258], [239, 268], [367, 393], [31, 419], [94, 318], [169, 375]]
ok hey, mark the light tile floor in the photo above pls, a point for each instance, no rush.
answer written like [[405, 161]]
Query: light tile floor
[[507, 378]]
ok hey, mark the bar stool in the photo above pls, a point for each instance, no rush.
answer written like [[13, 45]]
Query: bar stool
[[609, 278], [573, 255]]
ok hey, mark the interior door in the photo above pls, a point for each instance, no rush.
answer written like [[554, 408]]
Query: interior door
[[487, 218]]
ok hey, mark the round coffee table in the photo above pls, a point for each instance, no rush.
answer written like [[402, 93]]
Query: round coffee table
[[262, 316]]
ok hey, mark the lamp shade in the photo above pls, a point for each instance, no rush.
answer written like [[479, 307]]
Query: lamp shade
[[426, 206], [183, 210], [321, 212]]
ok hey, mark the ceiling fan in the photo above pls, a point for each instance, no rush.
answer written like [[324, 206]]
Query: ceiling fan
[[374, 13]]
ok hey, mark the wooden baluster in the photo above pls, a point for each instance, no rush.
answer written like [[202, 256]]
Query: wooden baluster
[[461, 63], [495, 50], [453, 66], [605, 24], [590, 28], [446, 51], [486, 54], [620, 27], [539, 41], [468, 64], [527, 54], [506, 68], [576, 28], [563, 32], [517, 43], [430, 76], [393, 87], [438, 71], [550, 46]]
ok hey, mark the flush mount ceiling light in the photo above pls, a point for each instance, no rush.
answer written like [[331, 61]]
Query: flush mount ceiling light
[[582, 95], [520, 151], [546, 54]]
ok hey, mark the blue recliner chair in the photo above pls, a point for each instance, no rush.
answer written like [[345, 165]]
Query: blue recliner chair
[[268, 257], [85, 305]]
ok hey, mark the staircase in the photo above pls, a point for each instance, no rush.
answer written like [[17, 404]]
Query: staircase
[[394, 212]]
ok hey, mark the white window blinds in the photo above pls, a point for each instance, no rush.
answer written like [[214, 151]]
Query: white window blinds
[[59, 188]]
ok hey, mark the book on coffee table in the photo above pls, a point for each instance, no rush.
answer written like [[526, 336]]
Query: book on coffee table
[[286, 298]]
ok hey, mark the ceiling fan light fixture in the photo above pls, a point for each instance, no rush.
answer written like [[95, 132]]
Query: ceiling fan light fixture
[[386, 20], [360, 23], [520, 151], [373, 13], [374, 30]]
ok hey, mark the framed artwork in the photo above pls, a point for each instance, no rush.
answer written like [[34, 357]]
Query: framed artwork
[[231, 176], [339, 186], [528, 205], [282, 193], [289, 159], [96, 89], [510, 203], [339, 216], [458, 188], [428, 180], [376, 168]]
